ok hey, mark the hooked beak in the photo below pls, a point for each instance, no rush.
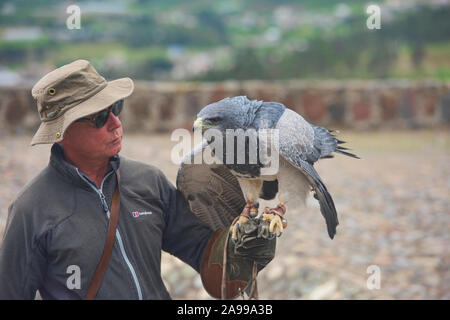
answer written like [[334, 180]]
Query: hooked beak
[[199, 125]]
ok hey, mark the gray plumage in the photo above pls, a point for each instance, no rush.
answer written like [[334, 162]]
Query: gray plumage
[[217, 193]]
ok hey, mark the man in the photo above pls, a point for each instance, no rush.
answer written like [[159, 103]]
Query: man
[[57, 225]]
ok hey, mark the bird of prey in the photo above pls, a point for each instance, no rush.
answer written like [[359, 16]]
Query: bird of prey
[[224, 192]]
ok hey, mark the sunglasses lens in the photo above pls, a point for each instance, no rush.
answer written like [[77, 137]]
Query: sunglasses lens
[[117, 107], [101, 118]]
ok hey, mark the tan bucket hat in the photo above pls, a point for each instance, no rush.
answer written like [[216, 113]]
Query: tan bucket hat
[[71, 92]]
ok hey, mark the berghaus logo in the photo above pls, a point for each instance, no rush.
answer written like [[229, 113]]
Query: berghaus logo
[[136, 214]]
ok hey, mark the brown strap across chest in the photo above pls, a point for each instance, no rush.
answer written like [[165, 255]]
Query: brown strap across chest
[[109, 244]]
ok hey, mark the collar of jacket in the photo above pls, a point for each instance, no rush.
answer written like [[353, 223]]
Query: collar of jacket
[[69, 171]]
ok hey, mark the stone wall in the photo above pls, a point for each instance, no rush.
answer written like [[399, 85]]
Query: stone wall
[[159, 106]]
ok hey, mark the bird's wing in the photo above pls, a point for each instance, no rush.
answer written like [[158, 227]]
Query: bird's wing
[[296, 145], [212, 191]]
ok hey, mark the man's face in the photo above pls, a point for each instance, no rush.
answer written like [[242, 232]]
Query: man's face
[[92, 143]]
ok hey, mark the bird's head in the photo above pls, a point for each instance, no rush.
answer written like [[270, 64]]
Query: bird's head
[[229, 113]]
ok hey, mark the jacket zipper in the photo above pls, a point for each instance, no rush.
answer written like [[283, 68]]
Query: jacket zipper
[[118, 237]]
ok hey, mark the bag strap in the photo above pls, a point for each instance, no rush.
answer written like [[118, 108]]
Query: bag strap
[[110, 237]]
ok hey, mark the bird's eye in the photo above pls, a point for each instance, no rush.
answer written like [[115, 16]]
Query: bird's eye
[[214, 120]]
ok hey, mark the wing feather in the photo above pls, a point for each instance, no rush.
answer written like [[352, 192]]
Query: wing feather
[[212, 191], [296, 138]]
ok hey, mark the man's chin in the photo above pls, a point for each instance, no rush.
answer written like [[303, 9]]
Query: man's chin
[[115, 150]]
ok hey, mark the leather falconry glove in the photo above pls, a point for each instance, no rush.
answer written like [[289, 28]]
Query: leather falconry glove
[[244, 258]]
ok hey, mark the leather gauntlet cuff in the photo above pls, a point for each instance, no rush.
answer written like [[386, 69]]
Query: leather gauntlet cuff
[[238, 269]]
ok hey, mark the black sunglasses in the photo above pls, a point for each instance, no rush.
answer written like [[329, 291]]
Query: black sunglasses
[[100, 118]]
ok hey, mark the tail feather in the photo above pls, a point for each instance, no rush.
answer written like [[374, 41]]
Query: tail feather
[[347, 153], [327, 143], [327, 207]]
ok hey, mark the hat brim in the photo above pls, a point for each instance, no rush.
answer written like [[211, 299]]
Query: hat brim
[[53, 131]]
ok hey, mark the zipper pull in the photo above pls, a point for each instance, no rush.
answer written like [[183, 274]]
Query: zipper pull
[[105, 205]]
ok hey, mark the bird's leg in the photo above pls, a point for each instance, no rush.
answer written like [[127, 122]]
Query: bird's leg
[[250, 211], [279, 198], [276, 221], [254, 210]]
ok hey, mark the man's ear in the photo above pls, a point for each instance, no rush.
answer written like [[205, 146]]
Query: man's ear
[[65, 142]]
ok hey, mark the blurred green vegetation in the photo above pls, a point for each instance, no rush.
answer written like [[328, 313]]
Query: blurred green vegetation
[[218, 40]]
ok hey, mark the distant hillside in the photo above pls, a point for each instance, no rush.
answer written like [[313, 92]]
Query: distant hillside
[[217, 40]]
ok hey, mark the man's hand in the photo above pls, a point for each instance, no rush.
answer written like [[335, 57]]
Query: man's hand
[[250, 247]]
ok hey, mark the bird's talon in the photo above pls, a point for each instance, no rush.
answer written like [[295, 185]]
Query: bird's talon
[[276, 221], [235, 228]]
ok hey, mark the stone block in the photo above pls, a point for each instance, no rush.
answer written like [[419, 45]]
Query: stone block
[[314, 108]]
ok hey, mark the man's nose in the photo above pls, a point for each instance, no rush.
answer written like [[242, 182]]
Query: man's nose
[[113, 121]]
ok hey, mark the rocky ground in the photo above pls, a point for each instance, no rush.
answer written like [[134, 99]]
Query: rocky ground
[[394, 212]]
